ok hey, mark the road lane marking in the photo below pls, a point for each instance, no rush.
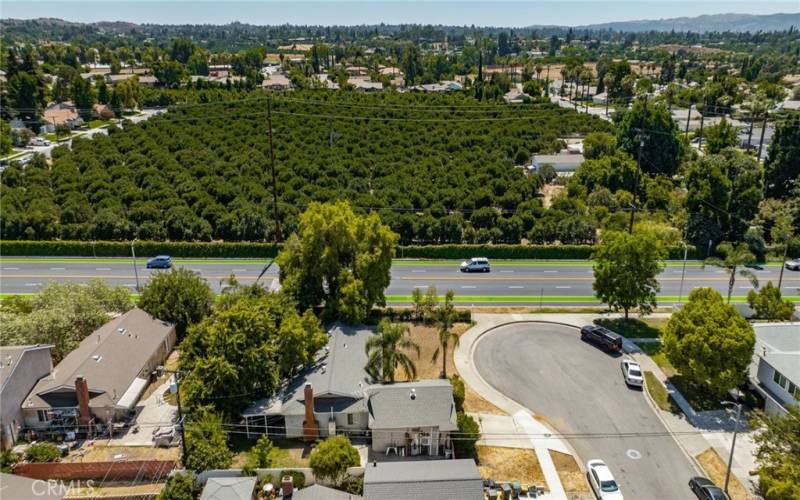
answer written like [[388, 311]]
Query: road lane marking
[[58, 268], [467, 286], [419, 271], [506, 271], [240, 270], [102, 268], [516, 287], [10, 269], [32, 284], [564, 287], [745, 288], [551, 271]]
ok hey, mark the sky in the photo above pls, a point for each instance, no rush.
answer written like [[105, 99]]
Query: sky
[[329, 12]]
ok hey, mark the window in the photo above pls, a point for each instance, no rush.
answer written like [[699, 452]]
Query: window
[[779, 379], [794, 390], [42, 415], [350, 419]]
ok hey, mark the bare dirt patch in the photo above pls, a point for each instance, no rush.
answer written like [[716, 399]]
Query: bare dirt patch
[[117, 490], [474, 403], [549, 191], [572, 478], [715, 469], [101, 452], [427, 337], [510, 464]]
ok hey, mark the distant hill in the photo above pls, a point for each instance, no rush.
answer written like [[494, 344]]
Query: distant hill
[[715, 22]]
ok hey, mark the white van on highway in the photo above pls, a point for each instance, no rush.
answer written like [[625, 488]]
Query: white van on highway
[[476, 265]]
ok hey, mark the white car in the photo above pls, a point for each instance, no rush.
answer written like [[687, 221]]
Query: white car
[[476, 265], [603, 483], [631, 372], [792, 265]]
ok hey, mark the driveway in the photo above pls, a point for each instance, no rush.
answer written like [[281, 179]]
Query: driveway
[[579, 389]]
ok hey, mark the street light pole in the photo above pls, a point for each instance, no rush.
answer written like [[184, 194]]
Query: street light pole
[[683, 273], [180, 412], [733, 443], [135, 271]]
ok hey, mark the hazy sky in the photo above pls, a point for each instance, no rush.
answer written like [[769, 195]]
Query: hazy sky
[[326, 12]]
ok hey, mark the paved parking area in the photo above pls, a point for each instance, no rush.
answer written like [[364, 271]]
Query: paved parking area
[[579, 388], [155, 412]]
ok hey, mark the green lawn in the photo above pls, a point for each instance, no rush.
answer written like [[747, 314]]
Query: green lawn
[[633, 328], [98, 123], [658, 392], [285, 453]]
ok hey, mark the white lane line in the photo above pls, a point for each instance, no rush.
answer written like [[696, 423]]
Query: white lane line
[[32, 284], [468, 286], [419, 271], [516, 287], [102, 268], [551, 271], [58, 268], [507, 271], [239, 270], [564, 287], [132, 285], [420, 286], [196, 270], [745, 288], [10, 269]]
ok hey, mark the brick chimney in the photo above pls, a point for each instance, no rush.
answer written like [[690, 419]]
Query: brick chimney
[[310, 428], [82, 393]]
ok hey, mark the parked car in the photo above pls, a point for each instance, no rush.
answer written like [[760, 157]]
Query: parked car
[[704, 489], [792, 265], [476, 265], [603, 337], [38, 141], [631, 372], [160, 262], [602, 481]]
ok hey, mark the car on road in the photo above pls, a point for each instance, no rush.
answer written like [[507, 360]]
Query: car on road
[[704, 489], [476, 265], [792, 265], [631, 372], [160, 262], [38, 141], [603, 337], [603, 484]]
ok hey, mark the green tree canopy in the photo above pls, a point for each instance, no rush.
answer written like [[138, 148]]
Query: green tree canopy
[[709, 342], [179, 486], [248, 346], [597, 144], [177, 296], [206, 441], [663, 148], [720, 136], [625, 270], [338, 259], [332, 457], [768, 304], [778, 454], [733, 259], [782, 168]]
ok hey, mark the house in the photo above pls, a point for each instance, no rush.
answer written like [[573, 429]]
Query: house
[[335, 394], [102, 111], [357, 70], [103, 378], [365, 84], [148, 80], [564, 164], [318, 492], [21, 367], [390, 71], [14, 487], [439, 479], [600, 98], [516, 96], [321, 80], [219, 70], [278, 81], [230, 488], [775, 368], [61, 113], [132, 70]]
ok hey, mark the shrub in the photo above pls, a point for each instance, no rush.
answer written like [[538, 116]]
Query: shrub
[[469, 433], [459, 392], [353, 485], [768, 304], [298, 478], [179, 486], [42, 453], [332, 457]]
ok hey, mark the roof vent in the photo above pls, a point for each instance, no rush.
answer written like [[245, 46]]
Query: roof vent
[[413, 394], [97, 358]]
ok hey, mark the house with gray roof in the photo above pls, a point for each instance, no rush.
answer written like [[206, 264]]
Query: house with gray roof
[[439, 479], [775, 368], [21, 367], [318, 492], [103, 378], [230, 488], [336, 395], [563, 163]]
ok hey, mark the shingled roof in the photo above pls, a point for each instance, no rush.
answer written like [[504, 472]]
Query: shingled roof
[[424, 403], [439, 479]]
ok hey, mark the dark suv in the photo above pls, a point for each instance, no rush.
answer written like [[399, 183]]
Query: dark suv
[[603, 337]]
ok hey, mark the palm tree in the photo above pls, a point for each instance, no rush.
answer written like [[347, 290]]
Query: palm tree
[[538, 70], [384, 353], [444, 317], [733, 258]]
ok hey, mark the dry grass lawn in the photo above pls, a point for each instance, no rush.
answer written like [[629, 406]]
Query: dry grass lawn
[[549, 191], [474, 403], [572, 478], [427, 337], [101, 452], [715, 469], [121, 490], [510, 464]]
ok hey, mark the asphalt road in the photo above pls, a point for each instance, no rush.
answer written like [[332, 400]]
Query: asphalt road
[[579, 389], [509, 282]]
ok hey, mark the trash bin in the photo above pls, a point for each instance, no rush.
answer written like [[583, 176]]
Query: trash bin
[[516, 488], [506, 491]]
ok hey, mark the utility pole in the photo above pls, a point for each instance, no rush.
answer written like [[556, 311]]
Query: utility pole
[[272, 168], [638, 165], [733, 443], [761, 141], [688, 119], [702, 117], [135, 271], [177, 374]]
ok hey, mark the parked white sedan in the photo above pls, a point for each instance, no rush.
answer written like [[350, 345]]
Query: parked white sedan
[[603, 483], [631, 372]]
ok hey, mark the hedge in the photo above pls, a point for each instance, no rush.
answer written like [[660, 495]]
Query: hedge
[[261, 250]]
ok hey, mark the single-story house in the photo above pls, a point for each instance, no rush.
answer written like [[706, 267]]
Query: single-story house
[[103, 378], [61, 113], [321, 80], [391, 71], [357, 70], [775, 368], [133, 70], [277, 81], [600, 98], [230, 488], [516, 96], [21, 367], [365, 84], [102, 111], [146, 80], [336, 394], [439, 479], [319, 492], [562, 163]]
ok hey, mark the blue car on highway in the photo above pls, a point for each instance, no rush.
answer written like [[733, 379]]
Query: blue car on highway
[[160, 262]]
